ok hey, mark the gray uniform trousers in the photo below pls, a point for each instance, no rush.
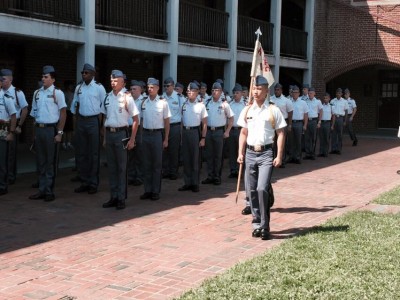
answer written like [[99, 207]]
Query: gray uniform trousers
[[324, 135], [88, 136], [135, 158], [117, 158], [12, 158], [310, 137], [214, 145], [191, 151], [46, 158], [3, 164], [233, 146], [351, 129], [295, 140], [337, 135], [171, 154], [152, 160], [258, 172]]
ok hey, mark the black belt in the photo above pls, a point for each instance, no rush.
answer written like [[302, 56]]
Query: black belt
[[312, 119], [42, 125], [259, 148], [324, 121], [175, 124], [215, 128], [339, 116], [151, 130], [190, 127], [296, 121], [237, 128], [88, 117], [116, 129]]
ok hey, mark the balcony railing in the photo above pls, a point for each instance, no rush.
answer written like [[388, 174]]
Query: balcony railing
[[63, 11], [202, 25], [293, 43], [139, 17], [246, 34]]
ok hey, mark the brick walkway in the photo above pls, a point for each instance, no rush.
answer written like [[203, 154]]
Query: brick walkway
[[74, 249]]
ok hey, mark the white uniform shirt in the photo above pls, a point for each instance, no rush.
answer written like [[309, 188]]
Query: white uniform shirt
[[175, 103], [339, 106], [284, 104], [237, 108], [193, 113], [46, 105], [7, 107], [352, 105], [19, 103], [154, 112], [90, 98], [118, 109], [326, 112], [138, 103], [201, 98], [300, 108], [218, 112], [257, 121], [314, 106]]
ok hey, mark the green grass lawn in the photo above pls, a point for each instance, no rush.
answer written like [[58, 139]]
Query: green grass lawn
[[356, 256], [390, 198]]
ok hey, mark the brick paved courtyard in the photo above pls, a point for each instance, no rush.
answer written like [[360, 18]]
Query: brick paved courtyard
[[72, 248]]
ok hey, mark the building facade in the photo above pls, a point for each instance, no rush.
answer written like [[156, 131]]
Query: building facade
[[328, 44]]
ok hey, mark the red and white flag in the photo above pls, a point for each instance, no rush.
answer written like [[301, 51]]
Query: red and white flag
[[260, 64]]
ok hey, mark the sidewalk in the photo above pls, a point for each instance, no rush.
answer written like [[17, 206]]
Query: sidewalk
[[74, 249]]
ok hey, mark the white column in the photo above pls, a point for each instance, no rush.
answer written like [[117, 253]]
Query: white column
[[276, 19], [230, 66], [86, 52], [170, 63], [309, 28]]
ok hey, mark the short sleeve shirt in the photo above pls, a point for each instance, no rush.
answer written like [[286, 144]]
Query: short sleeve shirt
[[257, 120], [193, 113], [154, 112], [284, 104], [218, 112], [46, 105], [18, 98], [299, 109], [90, 98], [7, 107]]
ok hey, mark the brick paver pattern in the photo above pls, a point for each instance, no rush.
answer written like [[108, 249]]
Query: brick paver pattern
[[72, 248]]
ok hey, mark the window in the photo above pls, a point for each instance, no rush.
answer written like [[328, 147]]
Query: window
[[390, 90]]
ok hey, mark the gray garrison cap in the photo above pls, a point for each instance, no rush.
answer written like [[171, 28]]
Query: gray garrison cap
[[278, 86], [48, 69], [152, 81], [237, 88], [295, 88], [217, 86], [135, 82], [6, 72], [261, 80], [169, 80], [311, 89], [193, 86], [88, 67], [117, 74], [179, 85]]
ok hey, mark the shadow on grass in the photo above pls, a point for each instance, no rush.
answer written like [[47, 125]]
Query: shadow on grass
[[299, 231], [304, 209]]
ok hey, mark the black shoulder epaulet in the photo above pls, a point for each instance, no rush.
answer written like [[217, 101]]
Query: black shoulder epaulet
[[97, 82]]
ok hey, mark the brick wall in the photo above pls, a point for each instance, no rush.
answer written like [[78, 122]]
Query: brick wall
[[347, 39]]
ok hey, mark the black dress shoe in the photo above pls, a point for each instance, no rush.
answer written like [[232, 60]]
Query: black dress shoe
[[185, 188], [145, 196], [195, 188], [256, 233], [320, 155], [355, 142], [332, 152], [82, 189], [338, 152], [137, 182], [11, 181], [207, 181], [246, 210], [92, 190], [233, 175], [164, 176], [297, 161], [37, 196], [307, 157], [3, 191], [49, 197], [217, 181], [120, 204], [155, 196], [111, 203], [173, 177], [265, 235]]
